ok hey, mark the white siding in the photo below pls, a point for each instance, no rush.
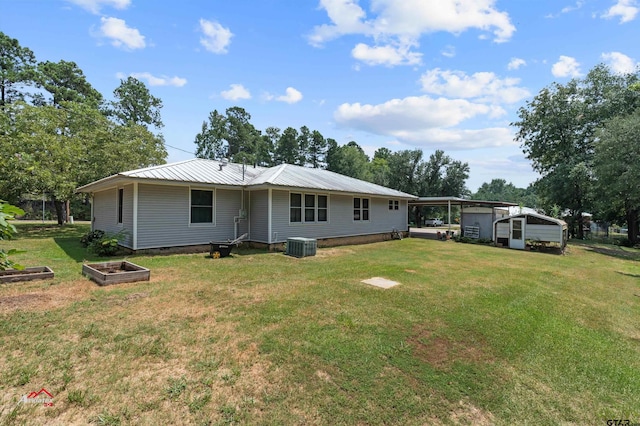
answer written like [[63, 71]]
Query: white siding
[[105, 213], [340, 223], [549, 233], [502, 230]]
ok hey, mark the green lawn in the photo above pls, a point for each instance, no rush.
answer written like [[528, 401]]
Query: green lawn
[[473, 335]]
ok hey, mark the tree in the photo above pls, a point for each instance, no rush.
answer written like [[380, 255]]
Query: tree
[[17, 68], [66, 82], [135, 104], [557, 130], [349, 160], [317, 150], [304, 141], [210, 141], [406, 171], [266, 146], [241, 135], [617, 170], [7, 230], [500, 190], [286, 151], [54, 149]]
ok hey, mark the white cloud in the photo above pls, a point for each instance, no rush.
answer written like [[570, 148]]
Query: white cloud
[[567, 9], [403, 22], [291, 96], [156, 81], [94, 6], [625, 9], [385, 55], [216, 37], [121, 35], [620, 63], [449, 51], [566, 67], [236, 92], [481, 86], [516, 63]]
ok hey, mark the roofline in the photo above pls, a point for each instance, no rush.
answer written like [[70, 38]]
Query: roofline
[[443, 201]]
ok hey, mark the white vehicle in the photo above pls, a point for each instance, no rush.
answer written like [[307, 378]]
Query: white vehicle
[[433, 222]]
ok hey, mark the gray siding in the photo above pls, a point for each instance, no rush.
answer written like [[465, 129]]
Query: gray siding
[[340, 223], [105, 212], [258, 216], [164, 216], [482, 220]]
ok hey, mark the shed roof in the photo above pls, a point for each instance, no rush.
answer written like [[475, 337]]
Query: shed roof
[[204, 171], [536, 215]]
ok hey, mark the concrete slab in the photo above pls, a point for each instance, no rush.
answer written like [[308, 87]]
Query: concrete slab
[[380, 282]]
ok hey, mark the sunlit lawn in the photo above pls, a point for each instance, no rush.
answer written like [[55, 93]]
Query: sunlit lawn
[[473, 335]]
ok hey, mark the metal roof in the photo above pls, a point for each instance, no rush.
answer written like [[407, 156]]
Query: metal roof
[[537, 215], [211, 172], [443, 201], [290, 176]]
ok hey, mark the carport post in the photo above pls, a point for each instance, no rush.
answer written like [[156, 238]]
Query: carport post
[[449, 205]]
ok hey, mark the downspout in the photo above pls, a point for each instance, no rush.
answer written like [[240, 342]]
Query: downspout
[[237, 219]]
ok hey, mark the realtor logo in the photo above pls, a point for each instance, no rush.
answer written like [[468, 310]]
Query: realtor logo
[[43, 396]]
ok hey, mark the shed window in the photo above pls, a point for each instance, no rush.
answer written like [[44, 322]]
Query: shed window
[[201, 206], [360, 208]]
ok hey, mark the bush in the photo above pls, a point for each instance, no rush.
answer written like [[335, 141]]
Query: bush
[[105, 246], [89, 237]]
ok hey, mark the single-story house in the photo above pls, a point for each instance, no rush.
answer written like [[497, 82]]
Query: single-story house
[[515, 231], [196, 201]]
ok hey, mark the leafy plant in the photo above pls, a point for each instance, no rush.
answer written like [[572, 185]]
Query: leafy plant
[[89, 237], [107, 244], [7, 230]]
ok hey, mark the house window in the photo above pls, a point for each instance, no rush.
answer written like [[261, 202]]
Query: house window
[[295, 207], [396, 204], [360, 208], [120, 202], [390, 204], [309, 208], [201, 206], [322, 208]]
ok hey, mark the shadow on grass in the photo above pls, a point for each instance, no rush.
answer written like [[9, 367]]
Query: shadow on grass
[[629, 275], [72, 248], [47, 230], [610, 250]]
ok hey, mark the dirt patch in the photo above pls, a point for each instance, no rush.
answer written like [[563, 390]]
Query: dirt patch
[[467, 413], [614, 251], [440, 352], [333, 252], [22, 300]]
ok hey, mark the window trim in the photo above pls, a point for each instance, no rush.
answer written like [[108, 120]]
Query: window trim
[[361, 209], [213, 207], [303, 208]]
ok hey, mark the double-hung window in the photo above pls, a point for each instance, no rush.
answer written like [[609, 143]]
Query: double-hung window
[[308, 208], [393, 204], [201, 206], [360, 209]]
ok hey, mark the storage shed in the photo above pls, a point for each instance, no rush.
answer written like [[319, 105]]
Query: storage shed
[[515, 231]]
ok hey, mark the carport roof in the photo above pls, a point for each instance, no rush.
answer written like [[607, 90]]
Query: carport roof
[[445, 201]]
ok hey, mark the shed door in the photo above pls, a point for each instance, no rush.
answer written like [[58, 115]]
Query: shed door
[[516, 237]]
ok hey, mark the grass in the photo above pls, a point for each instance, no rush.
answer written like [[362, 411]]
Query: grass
[[473, 335]]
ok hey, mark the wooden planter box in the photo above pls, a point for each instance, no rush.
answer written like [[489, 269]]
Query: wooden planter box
[[27, 274], [108, 273]]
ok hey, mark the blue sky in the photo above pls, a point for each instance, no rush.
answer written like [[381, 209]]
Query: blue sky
[[401, 74]]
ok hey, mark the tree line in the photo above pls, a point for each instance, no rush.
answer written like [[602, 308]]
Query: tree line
[[583, 137], [57, 132]]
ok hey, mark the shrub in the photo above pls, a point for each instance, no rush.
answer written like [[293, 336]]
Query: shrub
[[89, 237], [105, 244], [8, 212]]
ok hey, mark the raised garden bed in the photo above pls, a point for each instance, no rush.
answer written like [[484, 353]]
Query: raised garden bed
[[27, 274], [108, 273]]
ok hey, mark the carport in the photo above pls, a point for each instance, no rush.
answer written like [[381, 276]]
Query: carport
[[476, 216]]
